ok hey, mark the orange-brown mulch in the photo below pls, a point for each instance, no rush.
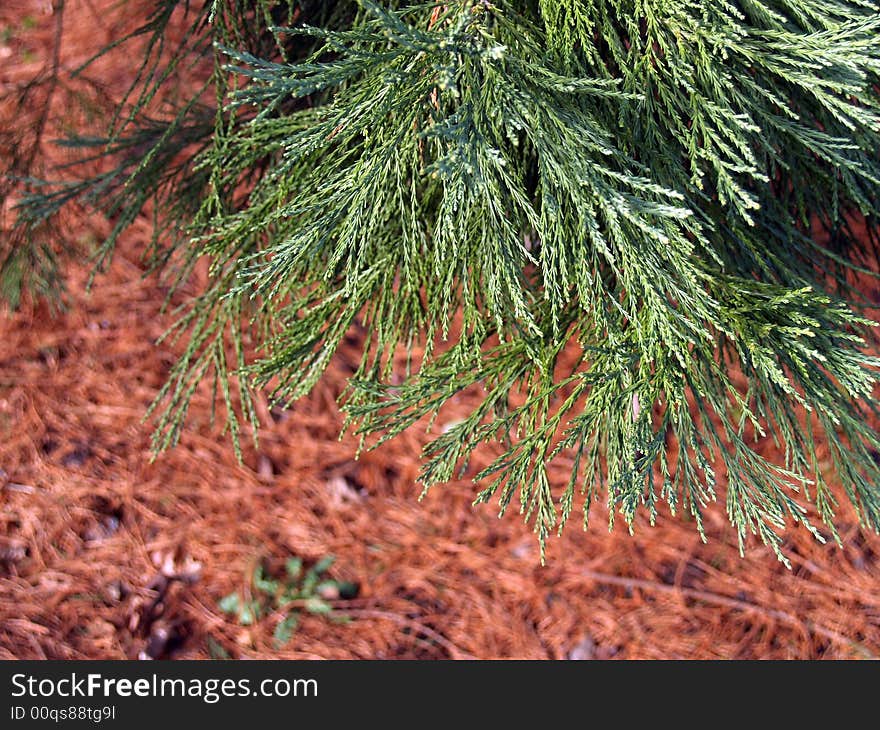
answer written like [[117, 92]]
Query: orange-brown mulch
[[105, 554]]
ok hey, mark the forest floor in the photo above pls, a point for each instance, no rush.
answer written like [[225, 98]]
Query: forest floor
[[105, 553]]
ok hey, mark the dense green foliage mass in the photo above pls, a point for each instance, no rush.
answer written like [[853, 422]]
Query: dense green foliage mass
[[631, 223]]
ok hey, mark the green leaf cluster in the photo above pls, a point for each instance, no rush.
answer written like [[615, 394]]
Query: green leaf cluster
[[299, 590]]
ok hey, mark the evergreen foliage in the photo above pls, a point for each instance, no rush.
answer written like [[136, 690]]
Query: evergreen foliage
[[667, 189]]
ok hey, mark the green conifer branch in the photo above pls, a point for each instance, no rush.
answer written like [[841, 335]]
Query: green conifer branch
[[601, 214]]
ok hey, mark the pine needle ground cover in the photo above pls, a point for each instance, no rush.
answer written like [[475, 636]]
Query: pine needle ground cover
[[630, 225]]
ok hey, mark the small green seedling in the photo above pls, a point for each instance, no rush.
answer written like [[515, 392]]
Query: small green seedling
[[298, 590]]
